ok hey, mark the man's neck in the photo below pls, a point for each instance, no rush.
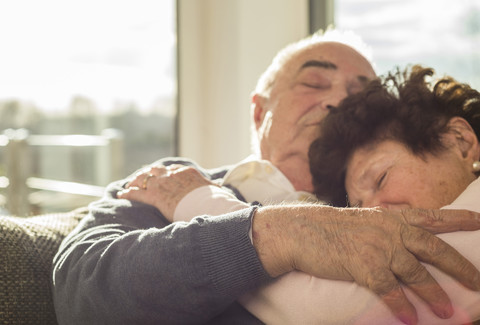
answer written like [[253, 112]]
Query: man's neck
[[298, 173]]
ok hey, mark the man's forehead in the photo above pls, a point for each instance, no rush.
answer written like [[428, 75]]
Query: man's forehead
[[328, 56]]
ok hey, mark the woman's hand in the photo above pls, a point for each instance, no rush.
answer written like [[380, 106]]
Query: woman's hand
[[164, 187]]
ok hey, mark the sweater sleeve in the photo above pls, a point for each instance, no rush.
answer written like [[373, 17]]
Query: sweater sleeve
[[124, 264]]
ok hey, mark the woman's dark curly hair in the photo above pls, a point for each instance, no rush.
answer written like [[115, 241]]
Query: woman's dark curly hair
[[403, 106]]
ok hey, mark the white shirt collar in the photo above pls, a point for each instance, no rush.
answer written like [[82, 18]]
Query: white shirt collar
[[259, 180]]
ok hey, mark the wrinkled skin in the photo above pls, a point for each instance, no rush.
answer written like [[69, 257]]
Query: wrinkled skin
[[376, 248], [165, 187], [307, 85]]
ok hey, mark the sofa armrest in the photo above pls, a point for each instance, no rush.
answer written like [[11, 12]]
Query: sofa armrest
[[27, 248]]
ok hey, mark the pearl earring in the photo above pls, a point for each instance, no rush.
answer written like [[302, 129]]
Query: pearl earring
[[476, 166]]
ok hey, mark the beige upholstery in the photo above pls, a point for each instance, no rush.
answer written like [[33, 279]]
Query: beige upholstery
[[27, 247]]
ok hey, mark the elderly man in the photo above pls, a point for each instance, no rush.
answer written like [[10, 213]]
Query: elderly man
[[127, 264]]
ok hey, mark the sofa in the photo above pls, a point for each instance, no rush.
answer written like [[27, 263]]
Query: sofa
[[27, 248]]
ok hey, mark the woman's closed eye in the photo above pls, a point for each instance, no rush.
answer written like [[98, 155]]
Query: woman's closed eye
[[381, 180]]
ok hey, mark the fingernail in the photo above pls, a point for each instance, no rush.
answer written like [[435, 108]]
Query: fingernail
[[446, 311], [408, 320]]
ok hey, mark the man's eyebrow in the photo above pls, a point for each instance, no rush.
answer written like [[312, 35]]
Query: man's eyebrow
[[319, 64], [332, 66]]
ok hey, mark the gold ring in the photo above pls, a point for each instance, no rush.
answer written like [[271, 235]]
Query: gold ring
[[145, 180]]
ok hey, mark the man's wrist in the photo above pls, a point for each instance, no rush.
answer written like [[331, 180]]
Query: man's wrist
[[272, 240]]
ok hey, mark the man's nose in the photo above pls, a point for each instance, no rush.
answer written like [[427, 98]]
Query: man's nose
[[336, 96]]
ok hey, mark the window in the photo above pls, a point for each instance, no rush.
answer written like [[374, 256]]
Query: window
[[82, 67], [441, 34]]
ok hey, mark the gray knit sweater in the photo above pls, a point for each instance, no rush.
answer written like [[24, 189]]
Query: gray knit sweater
[[125, 264]]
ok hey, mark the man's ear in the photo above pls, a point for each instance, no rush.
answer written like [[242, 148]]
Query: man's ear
[[259, 109], [464, 137]]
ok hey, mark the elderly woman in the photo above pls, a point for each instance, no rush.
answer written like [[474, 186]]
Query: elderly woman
[[401, 143], [397, 144]]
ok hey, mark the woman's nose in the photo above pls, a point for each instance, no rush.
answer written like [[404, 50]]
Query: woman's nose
[[370, 201], [376, 201], [395, 206]]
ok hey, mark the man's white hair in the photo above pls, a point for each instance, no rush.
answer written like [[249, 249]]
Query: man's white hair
[[267, 79]]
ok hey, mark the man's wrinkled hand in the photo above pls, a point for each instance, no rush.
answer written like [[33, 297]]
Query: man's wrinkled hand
[[376, 248], [164, 187]]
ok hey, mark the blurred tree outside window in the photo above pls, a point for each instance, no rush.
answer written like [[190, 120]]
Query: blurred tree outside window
[[442, 34], [81, 67]]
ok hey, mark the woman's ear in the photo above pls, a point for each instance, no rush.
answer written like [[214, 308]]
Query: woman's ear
[[258, 109], [465, 138]]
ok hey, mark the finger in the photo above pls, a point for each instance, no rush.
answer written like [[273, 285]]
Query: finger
[[175, 166], [441, 221], [159, 170], [400, 306], [145, 181], [176, 169], [133, 194], [139, 180], [434, 251], [386, 286], [414, 275], [127, 193]]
